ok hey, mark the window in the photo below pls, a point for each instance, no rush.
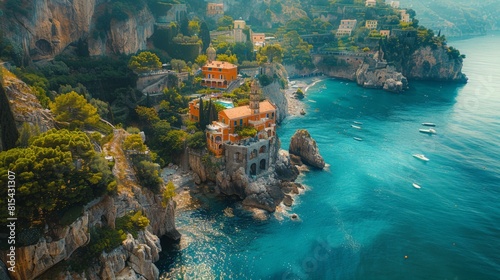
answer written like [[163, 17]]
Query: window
[[235, 123], [241, 122], [272, 115], [220, 69], [210, 69]]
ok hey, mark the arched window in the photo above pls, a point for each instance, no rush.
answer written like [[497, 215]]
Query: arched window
[[253, 169], [262, 164], [254, 153], [262, 149]]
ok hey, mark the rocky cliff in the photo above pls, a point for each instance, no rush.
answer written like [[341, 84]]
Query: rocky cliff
[[384, 77], [134, 259], [43, 29], [20, 105], [425, 63], [274, 93], [434, 64], [304, 146]]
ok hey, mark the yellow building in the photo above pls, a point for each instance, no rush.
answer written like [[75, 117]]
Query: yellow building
[[385, 33], [371, 24]]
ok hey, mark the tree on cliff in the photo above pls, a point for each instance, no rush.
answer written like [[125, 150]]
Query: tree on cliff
[[58, 170], [74, 109], [134, 143], [145, 61], [273, 52]]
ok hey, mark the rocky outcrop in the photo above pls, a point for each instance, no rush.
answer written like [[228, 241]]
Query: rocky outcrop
[[285, 170], [24, 105], [31, 261], [45, 28], [304, 146], [338, 66], [264, 193], [371, 75], [434, 64], [125, 37]]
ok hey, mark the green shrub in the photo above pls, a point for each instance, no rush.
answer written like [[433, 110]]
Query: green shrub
[[245, 131], [132, 223]]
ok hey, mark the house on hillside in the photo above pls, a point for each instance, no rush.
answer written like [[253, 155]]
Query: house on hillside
[[371, 24], [370, 3], [258, 40], [385, 33], [346, 27], [218, 74], [215, 9]]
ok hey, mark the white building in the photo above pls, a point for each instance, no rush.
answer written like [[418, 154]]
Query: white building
[[404, 16], [370, 3], [346, 27], [395, 4]]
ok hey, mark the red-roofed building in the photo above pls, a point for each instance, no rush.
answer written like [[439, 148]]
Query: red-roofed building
[[218, 74], [260, 115]]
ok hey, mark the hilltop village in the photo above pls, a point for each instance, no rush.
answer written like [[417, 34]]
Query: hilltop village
[[104, 103]]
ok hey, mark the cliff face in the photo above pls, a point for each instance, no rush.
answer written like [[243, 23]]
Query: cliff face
[[434, 64], [134, 259], [31, 261], [49, 26], [19, 105], [277, 97]]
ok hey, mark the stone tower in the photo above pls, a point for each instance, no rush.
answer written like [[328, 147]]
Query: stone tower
[[211, 53], [255, 99]]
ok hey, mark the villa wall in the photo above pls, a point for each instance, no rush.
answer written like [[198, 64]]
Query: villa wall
[[245, 159]]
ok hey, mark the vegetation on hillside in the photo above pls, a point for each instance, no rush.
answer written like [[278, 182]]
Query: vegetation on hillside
[[59, 169]]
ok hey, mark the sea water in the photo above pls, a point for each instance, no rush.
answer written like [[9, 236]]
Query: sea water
[[361, 217]]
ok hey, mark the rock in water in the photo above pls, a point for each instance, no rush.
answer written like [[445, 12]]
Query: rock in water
[[304, 146]]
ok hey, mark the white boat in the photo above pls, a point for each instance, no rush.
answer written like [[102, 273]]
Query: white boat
[[357, 139], [420, 157], [416, 186], [428, 131], [355, 126], [428, 124], [355, 122]]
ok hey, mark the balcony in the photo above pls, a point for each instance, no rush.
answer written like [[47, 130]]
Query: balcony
[[258, 122]]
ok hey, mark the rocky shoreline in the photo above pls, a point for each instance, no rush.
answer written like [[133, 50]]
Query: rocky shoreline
[[295, 106]]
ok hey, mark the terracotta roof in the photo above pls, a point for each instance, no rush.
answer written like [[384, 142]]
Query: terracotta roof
[[220, 64], [244, 111]]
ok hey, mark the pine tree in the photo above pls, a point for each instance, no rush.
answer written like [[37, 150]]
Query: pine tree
[[202, 117], [204, 35]]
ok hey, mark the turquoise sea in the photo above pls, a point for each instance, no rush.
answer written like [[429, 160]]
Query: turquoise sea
[[362, 218]]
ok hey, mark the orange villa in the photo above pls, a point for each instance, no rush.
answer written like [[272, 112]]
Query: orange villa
[[260, 115], [218, 74], [252, 154]]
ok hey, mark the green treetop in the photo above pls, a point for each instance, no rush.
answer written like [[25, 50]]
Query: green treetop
[[145, 61], [74, 109]]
